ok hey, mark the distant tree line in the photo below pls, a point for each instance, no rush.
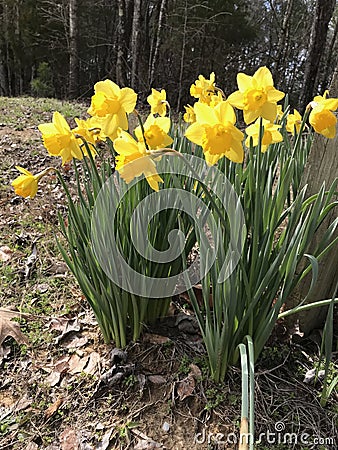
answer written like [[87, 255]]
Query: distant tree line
[[62, 47]]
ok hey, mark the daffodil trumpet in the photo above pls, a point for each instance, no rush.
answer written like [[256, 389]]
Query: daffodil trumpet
[[26, 184]]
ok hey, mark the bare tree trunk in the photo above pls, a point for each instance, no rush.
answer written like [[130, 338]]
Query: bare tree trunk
[[180, 87], [330, 55], [73, 50], [135, 44], [4, 90], [121, 44], [4, 82], [283, 44], [322, 165], [154, 58], [323, 14]]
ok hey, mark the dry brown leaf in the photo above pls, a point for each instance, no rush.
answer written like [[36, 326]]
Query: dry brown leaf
[[66, 326], [30, 262], [53, 378], [157, 379], [62, 364], [155, 338], [69, 440], [54, 407], [77, 364], [73, 340], [32, 446], [23, 403], [104, 444], [195, 371], [5, 253], [10, 328], [186, 387], [93, 363], [147, 445]]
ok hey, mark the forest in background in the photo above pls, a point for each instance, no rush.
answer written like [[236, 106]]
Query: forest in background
[[61, 48]]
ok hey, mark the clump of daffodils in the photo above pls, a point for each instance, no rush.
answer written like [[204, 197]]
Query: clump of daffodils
[[212, 124]]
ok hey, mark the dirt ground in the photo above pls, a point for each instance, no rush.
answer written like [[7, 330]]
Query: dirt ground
[[62, 387]]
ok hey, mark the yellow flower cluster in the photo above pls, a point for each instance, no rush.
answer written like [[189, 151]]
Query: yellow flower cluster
[[212, 118], [212, 125], [321, 117]]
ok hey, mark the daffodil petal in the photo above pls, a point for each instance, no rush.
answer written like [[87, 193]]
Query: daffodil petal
[[236, 99], [269, 111], [195, 133], [244, 82], [226, 113], [263, 77], [205, 114], [274, 95], [128, 98]]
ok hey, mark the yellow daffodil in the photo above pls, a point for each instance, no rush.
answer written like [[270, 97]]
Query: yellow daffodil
[[293, 122], [158, 102], [279, 113], [203, 89], [321, 117], [155, 132], [26, 184], [112, 104], [256, 96], [133, 160], [59, 139], [216, 98], [215, 132], [89, 129], [189, 116], [271, 134]]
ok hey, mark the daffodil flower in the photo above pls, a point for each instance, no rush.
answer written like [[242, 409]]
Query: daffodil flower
[[215, 132], [203, 89], [279, 113], [59, 139], [256, 96], [158, 102], [156, 131], [133, 160], [26, 184], [89, 129], [189, 116], [321, 117], [112, 104], [271, 134], [293, 122]]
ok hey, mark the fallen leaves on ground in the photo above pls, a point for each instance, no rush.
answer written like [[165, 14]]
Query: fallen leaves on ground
[[5, 253], [54, 407], [10, 328]]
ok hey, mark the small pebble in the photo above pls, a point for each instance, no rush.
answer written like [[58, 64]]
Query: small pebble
[[166, 427]]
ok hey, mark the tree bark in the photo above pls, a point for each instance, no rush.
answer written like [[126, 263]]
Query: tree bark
[[121, 44], [135, 44], [4, 83], [322, 165], [154, 58], [330, 53], [283, 43], [73, 50], [323, 14], [180, 83]]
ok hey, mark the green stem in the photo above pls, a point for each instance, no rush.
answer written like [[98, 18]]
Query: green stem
[[205, 189], [306, 307]]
